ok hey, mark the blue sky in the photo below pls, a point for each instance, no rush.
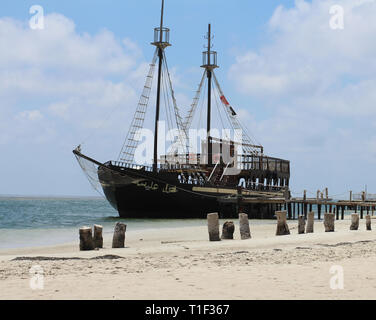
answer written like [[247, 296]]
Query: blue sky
[[237, 25], [305, 91]]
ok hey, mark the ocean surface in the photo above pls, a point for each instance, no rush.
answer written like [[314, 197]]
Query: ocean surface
[[32, 222]]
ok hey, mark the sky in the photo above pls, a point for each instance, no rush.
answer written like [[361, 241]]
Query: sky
[[303, 88]]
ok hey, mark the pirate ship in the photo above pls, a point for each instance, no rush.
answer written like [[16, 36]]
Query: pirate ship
[[183, 183]]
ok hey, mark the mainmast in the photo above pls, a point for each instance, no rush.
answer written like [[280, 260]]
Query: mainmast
[[209, 63], [161, 41]]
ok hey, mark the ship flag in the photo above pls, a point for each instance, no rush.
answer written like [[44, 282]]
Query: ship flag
[[225, 102]]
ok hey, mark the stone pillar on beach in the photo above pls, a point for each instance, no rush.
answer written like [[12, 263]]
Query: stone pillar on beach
[[368, 222], [329, 222], [354, 222], [282, 227], [86, 239], [245, 232], [228, 230], [301, 224], [118, 241], [98, 238], [213, 227], [310, 222]]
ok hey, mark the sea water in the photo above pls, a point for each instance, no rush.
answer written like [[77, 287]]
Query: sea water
[[31, 222]]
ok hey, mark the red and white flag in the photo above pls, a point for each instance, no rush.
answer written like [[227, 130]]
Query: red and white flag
[[224, 100]]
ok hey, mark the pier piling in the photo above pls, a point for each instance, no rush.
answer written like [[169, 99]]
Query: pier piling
[[310, 222], [86, 239], [245, 232], [118, 240], [289, 211], [282, 227], [294, 211], [354, 222], [368, 223], [301, 224], [213, 227], [329, 222], [98, 238], [228, 230]]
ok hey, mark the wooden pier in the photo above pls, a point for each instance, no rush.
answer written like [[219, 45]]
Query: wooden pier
[[301, 206], [296, 206]]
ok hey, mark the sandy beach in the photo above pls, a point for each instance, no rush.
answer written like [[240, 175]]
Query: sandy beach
[[180, 263]]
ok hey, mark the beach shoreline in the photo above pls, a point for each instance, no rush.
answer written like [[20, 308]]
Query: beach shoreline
[[180, 263]]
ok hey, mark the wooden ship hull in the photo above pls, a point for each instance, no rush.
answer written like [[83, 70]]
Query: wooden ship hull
[[134, 196], [146, 195], [138, 192]]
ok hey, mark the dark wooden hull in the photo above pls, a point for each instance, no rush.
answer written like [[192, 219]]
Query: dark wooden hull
[[147, 196], [135, 202], [140, 194]]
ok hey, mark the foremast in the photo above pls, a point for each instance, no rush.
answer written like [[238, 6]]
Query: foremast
[[161, 41], [209, 64]]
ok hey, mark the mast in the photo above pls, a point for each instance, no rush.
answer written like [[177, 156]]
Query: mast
[[208, 122], [210, 63], [161, 38]]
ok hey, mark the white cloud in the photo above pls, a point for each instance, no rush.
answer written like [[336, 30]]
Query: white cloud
[[60, 47], [58, 77], [305, 57], [32, 115], [318, 84]]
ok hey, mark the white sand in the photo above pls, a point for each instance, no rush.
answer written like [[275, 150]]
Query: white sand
[[181, 263]]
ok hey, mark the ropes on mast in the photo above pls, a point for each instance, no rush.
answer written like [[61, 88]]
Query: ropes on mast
[[240, 132], [178, 118], [132, 138], [247, 143], [189, 117], [172, 111], [182, 133]]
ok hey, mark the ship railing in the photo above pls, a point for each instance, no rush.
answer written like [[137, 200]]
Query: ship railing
[[129, 165], [263, 163], [194, 179], [251, 186], [263, 187], [189, 161], [242, 162], [165, 166], [364, 196]]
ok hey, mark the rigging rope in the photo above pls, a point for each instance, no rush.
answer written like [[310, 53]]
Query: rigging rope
[[220, 117], [246, 140], [131, 141], [189, 118], [182, 133], [171, 111], [179, 121]]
